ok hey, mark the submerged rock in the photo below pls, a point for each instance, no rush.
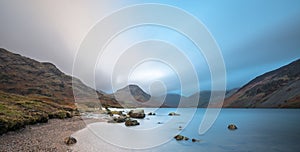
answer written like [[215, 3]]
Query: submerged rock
[[137, 113], [151, 114], [173, 114], [131, 123], [70, 140], [195, 140], [232, 127], [180, 137]]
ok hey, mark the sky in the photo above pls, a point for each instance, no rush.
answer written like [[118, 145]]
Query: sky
[[253, 37]]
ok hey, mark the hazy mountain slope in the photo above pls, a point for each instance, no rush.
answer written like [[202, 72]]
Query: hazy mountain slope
[[279, 88], [172, 100]]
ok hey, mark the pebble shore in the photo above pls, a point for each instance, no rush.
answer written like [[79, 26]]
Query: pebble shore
[[43, 137]]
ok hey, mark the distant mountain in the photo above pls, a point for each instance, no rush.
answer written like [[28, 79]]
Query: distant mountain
[[279, 88], [133, 96], [130, 91], [127, 95], [276, 89], [202, 98]]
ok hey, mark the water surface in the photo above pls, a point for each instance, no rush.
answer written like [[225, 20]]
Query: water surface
[[258, 130]]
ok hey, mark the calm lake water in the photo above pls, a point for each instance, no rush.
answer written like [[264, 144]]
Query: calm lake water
[[258, 130]]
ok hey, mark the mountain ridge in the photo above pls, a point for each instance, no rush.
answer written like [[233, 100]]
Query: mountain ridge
[[279, 88], [24, 76]]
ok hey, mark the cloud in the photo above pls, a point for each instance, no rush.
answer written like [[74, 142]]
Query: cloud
[[253, 38]]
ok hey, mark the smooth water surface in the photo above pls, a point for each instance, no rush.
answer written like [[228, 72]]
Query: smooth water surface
[[258, 130]]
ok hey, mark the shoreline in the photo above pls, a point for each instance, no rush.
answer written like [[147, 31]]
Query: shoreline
[[44, 136]]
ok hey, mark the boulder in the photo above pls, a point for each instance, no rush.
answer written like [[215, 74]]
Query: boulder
[[137, 113], [173, 114], [195, 140], [131, 123], [115, 112], [180, 137], [70, 140], [118, 119], [232, 127]]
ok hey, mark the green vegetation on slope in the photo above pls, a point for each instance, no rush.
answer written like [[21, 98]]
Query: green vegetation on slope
[[16, 111]]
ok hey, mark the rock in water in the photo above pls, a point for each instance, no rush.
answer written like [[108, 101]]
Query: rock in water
[[70, 140], [173, 114], [151, 114], [137, 113], [232, 127], [180, 127], [131, 123], [180, 137]]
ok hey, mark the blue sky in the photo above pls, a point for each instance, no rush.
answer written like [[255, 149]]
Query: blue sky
[[254, 36]]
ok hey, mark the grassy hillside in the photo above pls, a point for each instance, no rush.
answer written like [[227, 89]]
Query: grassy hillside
[[16, 111]]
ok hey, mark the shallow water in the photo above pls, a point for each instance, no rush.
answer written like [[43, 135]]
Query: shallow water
[[258, 130]]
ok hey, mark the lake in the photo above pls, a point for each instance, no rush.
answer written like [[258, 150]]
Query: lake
[[258, 130]]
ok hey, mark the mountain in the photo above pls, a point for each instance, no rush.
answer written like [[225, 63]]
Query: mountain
[[32, 92], [27, 77], [133, 96], [202, 97], [130, 91], [170, 100], [279, 88], [127, 95], [24, 76]]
